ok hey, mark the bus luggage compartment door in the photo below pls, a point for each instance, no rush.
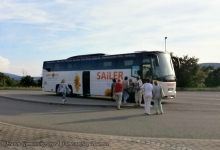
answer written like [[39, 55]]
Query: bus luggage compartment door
[[86, 83]]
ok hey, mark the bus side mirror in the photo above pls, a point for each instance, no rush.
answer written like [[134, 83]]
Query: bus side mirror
[[48, 69], [176, 61]]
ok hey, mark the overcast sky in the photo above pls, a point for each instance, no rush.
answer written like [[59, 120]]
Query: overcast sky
[[33, 31]]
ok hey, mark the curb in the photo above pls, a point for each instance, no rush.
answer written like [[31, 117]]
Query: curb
[[54, 103]]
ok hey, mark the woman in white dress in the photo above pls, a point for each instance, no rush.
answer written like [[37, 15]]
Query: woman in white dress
[[148, 88]]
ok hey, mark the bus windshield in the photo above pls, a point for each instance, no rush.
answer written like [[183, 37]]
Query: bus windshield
[[163, 67]]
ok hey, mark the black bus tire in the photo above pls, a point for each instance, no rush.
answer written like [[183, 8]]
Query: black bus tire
[[71, 91], [57, 92]]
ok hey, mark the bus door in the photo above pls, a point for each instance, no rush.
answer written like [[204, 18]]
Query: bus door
[[146, 71], [149, 66], [86, 83]]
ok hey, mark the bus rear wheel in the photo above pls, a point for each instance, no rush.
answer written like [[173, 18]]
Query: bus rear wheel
[[57, 91], [71, 91]]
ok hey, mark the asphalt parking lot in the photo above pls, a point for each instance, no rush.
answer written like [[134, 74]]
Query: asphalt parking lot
[[191, 115]]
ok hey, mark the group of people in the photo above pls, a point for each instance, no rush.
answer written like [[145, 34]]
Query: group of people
[[127, 87]]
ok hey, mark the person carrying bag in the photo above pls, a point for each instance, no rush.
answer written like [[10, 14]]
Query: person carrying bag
[[137, 89], [158, 94]]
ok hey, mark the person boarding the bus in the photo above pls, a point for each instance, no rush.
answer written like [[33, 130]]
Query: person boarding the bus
[[125, 89], [148, 88], [137, 89], [112, 87], [63, 89], [118, 89], [157, 96]]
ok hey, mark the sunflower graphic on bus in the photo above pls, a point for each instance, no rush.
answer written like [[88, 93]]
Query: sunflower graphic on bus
[[76, 82], [108, 92]]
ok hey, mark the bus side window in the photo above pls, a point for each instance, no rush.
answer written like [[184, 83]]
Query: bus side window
[[76, 65], [69, 66], [48, 66], [135, 71], [106, 64], [88, 65], [59, 66], [124, 63], [127, 62]]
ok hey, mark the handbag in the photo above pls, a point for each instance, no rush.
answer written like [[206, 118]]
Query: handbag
[[142, 91], [162, 92], [115, 97]]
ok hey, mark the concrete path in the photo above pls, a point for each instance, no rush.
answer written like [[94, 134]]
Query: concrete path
[[19, 138]]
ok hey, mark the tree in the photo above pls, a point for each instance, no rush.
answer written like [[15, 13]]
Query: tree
[[27, 81], [5, 80], [2, 79], [39, 82], [209, 81], [190, 73], [216, 77]]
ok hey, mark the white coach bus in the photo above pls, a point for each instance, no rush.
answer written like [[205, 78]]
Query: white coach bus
[[92, 74]]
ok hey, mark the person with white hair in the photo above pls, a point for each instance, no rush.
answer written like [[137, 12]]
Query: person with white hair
[[63, 89]]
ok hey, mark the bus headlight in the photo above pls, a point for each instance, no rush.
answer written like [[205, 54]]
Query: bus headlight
[[170, 89]]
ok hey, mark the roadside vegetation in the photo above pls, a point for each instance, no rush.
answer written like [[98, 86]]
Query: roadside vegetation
[[198, 78], [199, 89], [26, 83]]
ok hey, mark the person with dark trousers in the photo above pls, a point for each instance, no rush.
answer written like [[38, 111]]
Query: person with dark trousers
[[125, 89], [112, 87]]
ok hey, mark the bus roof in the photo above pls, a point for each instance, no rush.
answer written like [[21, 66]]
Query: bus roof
[[105, 55]]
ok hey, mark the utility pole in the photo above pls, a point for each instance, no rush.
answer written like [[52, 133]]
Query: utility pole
[[165, 44]]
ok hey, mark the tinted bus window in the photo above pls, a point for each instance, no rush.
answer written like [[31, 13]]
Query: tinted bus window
[[69, 66], [146, 60], [59, 66], [125, 63], [48, 65], [72, 66], [88, 65], [106, 64]]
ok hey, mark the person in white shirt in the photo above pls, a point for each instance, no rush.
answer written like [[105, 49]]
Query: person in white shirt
[[148, 88], [63, 88]]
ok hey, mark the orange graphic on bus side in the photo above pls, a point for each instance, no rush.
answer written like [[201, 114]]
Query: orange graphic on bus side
[[170, 84], [77, 83], [109, 75], [53, 74], [108, 92]]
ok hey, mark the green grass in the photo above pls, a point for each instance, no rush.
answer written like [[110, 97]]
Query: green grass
[[20, 88], [199, 89]]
